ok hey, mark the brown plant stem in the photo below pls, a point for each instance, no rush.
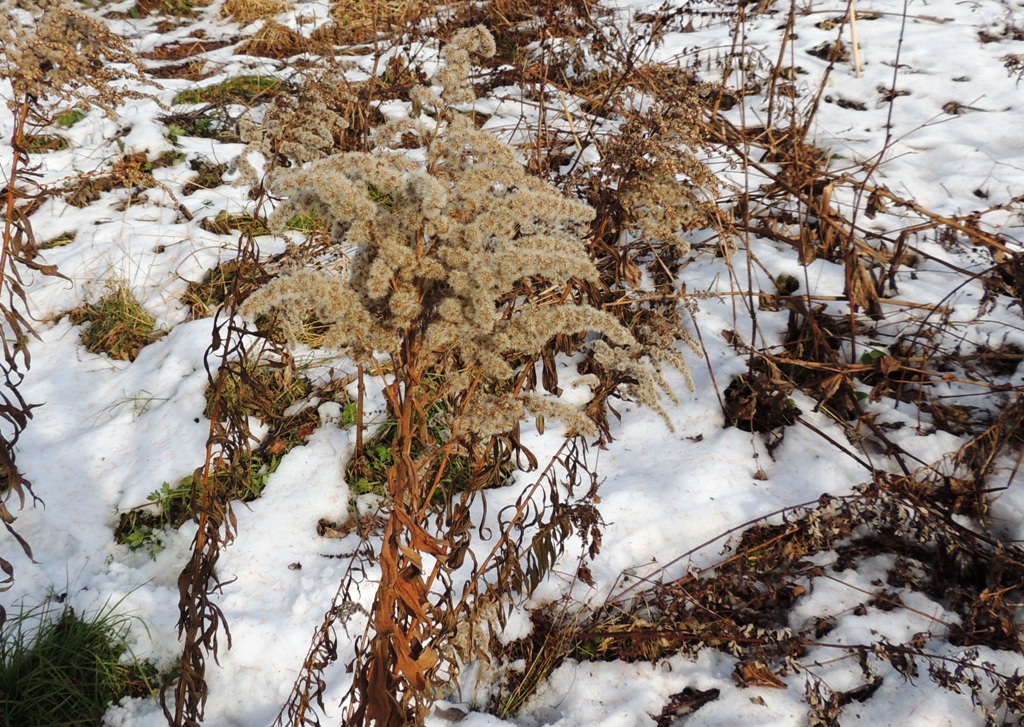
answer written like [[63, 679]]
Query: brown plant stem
[[13, 408]]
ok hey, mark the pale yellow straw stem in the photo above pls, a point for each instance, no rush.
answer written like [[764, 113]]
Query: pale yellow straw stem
[[853, 37]]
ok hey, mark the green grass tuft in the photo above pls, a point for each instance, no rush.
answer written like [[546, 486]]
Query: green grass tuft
[[309, 222], [45, 143], [69, 118], [60, 241], [59, 669], [118, 325], [240, 89]]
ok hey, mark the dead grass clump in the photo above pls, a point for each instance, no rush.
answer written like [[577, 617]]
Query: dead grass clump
[[274, 392], [193, 70], [173, 8], [360, 21], [1006, 278], [811, 359], [398, 79], [553, 638], [226, 223], [246, 11], [203, 298], [263, 390], [133, 172], [997, 363], [332, 34], [247, 90], [45, 143], [209, 175], [274, 40], [188, 48], [509, 12], [187, 58], [213, 121], [833, 52], [118, 325], [517, 23], [60, 241], [978, 460]]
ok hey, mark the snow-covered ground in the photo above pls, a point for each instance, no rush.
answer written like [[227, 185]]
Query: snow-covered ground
[[108, 433]]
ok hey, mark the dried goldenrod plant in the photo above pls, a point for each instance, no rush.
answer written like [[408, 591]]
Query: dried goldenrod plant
[[457, 271], [53, 55], [301, 128], [649, 189], [56, 54]]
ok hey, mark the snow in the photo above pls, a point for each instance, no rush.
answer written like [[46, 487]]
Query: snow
[[106, 434]]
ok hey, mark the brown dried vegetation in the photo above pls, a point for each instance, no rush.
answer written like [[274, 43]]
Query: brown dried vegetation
[[433, 284], [826, 357], [116, 325], [408, 273]]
